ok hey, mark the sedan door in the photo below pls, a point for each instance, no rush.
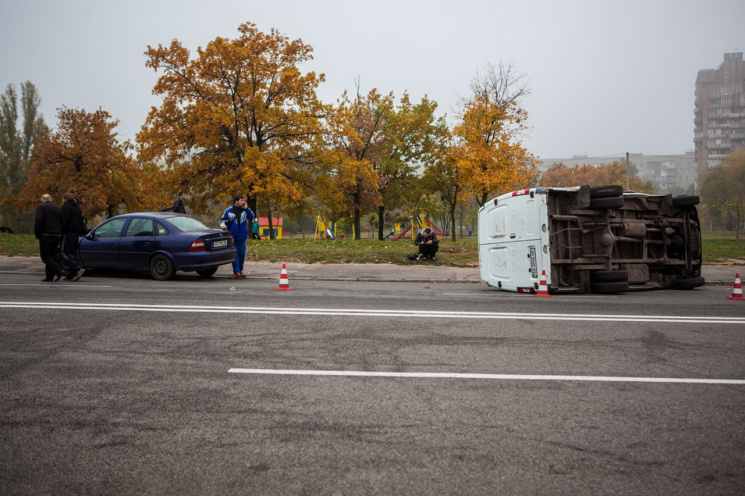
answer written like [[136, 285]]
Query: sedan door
[[100, 247], [137, 244]]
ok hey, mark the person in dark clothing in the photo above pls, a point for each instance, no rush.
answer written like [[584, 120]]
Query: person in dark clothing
[[48, 230], [72, 229], [178, 205], [428, 244]]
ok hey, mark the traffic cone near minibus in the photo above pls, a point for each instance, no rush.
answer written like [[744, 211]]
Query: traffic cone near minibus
[[284, 283], [736, 290], [542, 286]]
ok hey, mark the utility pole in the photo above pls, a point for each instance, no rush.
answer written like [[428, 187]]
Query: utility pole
[[628, 171]]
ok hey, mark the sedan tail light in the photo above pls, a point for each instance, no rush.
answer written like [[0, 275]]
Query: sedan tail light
[[197, 245]]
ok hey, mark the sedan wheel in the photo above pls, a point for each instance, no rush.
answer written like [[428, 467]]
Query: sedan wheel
[[208, 272], [161, 268]]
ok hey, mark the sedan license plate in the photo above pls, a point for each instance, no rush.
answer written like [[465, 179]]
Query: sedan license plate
[[220, 244]]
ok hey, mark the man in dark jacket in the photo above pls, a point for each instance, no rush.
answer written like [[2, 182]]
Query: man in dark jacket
[[428, 244], [48, 230], [72, 228], [178, 205]]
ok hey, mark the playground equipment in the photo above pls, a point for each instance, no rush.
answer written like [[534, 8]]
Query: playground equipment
[[264, 227], [324, 230], [419, 222]]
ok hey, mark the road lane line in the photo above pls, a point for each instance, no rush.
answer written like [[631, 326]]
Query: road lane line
[[501, 377], [330, 312], [78, 285]]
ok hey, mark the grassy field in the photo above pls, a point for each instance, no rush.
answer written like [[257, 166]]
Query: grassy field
[[718, 248], [459, 253], [723, 247]]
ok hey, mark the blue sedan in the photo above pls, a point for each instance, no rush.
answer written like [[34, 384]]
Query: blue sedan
[[158, 242]]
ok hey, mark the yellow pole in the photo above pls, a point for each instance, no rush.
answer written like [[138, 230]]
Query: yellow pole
[[318, 223]]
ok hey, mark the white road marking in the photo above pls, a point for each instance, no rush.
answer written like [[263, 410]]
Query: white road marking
[[502, 377], [60, 284], [331, 312], [521, 296]]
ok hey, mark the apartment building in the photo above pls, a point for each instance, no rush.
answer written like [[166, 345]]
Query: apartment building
[[720, 112]]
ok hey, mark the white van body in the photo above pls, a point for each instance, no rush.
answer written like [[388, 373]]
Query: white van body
[[513, 241], [589, 239]]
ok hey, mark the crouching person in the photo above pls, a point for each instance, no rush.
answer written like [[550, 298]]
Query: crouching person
[[428, 244]]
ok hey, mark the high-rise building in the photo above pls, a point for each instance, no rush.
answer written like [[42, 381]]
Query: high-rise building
[[720, 112]]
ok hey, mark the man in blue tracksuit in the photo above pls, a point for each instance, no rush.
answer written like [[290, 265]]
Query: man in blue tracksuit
[[238, 219]]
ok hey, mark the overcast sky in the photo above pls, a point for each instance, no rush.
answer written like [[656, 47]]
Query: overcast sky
[[606, 77]]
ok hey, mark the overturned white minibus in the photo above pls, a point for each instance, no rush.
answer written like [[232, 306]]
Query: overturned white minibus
[[598, 240]]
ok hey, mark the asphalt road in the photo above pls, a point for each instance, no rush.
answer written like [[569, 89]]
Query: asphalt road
[[125, 385]]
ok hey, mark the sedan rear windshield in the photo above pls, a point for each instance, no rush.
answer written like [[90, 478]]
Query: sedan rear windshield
[[187, 224]]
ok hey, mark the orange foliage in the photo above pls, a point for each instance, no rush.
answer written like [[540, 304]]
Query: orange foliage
[[85, 158], [560, 175], [238, 117], [490, 157]]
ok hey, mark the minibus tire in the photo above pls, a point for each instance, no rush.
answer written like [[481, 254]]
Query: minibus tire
[[609, 287], [688, 283], [606, 191], [606, 203], [686, 200], [610, 276]]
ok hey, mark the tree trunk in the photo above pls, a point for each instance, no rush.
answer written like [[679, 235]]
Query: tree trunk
[[452, 223], [251, 202], [269, 220], [356, 216], [381, 217]]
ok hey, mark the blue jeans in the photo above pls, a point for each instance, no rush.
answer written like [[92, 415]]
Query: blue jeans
[[240, 256]]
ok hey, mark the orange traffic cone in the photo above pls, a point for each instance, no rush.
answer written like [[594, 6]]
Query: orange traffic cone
[[284, 284], [542, 286], [736, 290]]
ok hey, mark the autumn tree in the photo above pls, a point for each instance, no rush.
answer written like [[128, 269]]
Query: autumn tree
[[559, 175], [393, 140], [240, 116], [16, 145], [492, 157], [357, 139], [415, 138], [444, 178], [723, 190], [84, 157]]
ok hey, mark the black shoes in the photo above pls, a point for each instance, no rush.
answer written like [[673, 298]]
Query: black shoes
[[77, 275]]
